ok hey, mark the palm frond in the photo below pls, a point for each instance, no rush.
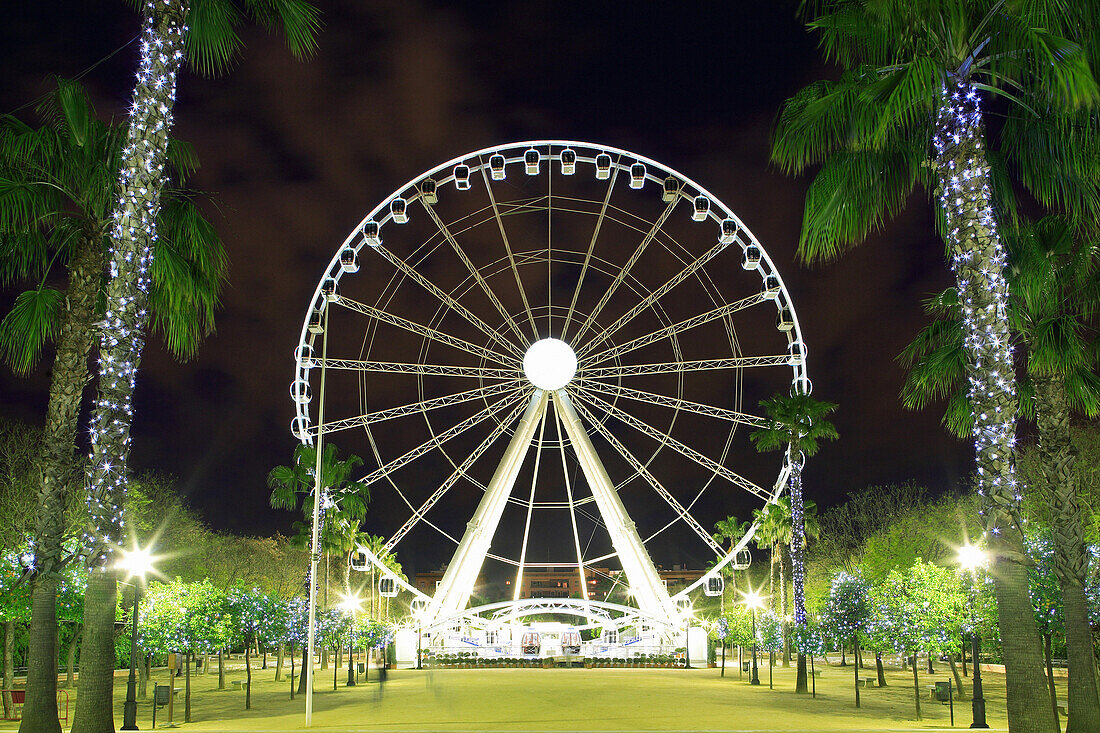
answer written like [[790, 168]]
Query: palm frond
[[32, 322]]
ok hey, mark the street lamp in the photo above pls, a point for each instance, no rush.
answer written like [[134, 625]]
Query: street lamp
[[687, 638], [351, 605], [972, 558], [136, 563], [754, 601]]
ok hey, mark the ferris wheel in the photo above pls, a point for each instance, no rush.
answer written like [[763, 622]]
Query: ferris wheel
[[550, 355]]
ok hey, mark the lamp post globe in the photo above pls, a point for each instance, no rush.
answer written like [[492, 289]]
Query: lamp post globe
[[972, 558], [136, 563]]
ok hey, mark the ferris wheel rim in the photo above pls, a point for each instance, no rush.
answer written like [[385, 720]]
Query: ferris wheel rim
[[800, 370]]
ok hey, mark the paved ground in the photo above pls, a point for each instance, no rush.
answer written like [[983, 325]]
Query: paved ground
[[569, 700]]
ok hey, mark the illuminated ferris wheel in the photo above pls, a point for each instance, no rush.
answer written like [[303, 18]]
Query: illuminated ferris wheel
[[549, 354]]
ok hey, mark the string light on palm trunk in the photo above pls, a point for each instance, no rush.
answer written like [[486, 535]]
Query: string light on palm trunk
[[133, 237], [966, 202]]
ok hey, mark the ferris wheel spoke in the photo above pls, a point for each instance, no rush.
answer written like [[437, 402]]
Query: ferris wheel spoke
[[677, 328], [460, 471], [417, 328], [417, 408], [668, 367], [530, 509], [652, 398], [650, 479], [707, 463], [443, 370], [656, 295], [572, 506], [626, 268], [508, 320], [438, 440], [511, 255], [588, 255], [443, 297]]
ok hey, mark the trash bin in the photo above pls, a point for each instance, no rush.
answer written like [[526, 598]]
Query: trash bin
[[362, 668], [943, 691]]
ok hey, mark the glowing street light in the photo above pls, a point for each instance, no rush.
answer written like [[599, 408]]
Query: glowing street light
[[136, 563], [351, 605], [972, 558], [753, 600]]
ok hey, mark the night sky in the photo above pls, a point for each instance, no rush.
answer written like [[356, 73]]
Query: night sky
[[296, 153]]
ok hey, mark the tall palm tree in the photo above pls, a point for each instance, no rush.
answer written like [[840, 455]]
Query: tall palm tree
[[796, 423], [56, 195], [344, 501], [907, 109], [730, 530], [1055, 285], [206, 29]]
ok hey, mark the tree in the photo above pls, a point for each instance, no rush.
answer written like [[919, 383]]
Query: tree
[[796, 423], [207, 29], [907, 109], [1046, 600], [253, 615], [1055, 284], [730, 530], [56, 188], [847, 614], [15, 607]]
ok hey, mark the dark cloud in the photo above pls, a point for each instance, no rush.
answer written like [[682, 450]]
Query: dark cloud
[[296, 153]]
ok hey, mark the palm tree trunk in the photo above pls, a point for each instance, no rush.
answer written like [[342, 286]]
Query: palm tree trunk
[[978, 260], [42, 647], [131, 245], [798, 573], [97, 656], [248, 678], [880, 670], [279, 661], [221, 670], [1058, 459], [59, 472]]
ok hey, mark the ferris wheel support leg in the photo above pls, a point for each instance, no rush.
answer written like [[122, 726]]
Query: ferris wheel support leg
[[646, 586], [458, 581]]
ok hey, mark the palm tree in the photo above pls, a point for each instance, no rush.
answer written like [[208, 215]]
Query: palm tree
[[1054, 284], [344, 501], [56, 195], [730, 530], [907, 109], [796, 424], [206, 29]]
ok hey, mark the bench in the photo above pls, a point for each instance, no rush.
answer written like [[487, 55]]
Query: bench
[[239, 684], [931, 692], [18, 697], [867, 682], [1063, 708]]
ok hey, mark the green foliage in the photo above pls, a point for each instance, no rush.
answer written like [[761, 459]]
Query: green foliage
[[920, 609], [848, 610], [1043, 585], [769, 631]]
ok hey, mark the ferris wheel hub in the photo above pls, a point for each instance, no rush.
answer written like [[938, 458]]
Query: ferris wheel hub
[[550, 364]]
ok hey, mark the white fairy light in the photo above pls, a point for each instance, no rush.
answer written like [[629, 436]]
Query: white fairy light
[[131, 255], [983, 295]]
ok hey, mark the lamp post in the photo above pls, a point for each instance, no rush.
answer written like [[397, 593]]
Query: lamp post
[[754, 601], [137, 563], [972, 558], [687, 640], [351, 605]]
